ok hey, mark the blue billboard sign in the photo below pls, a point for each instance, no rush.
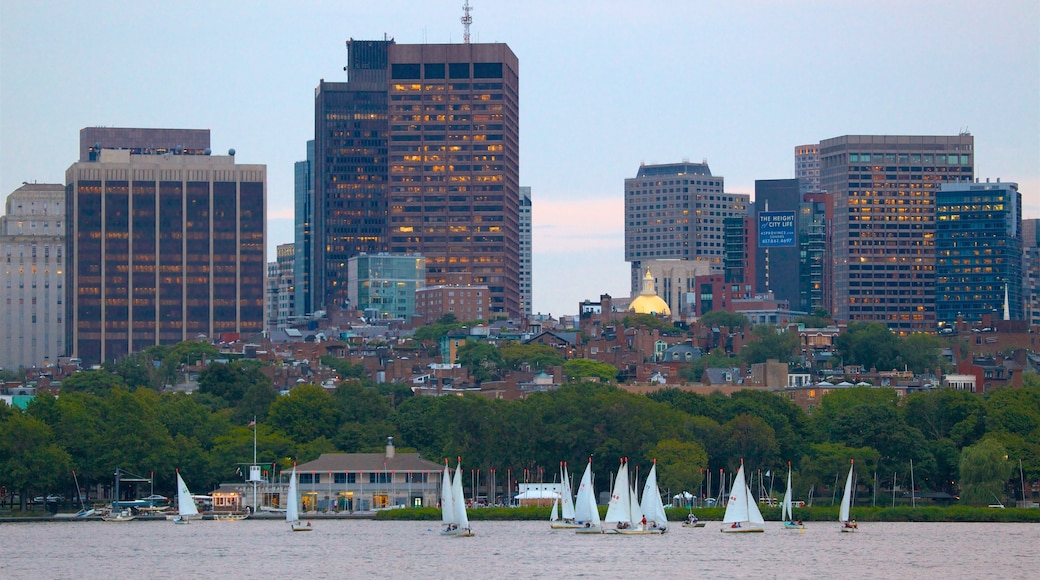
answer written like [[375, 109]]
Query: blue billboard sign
[[776, 229]]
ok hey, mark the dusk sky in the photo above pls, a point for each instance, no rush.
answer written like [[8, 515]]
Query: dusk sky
[[604, 86]]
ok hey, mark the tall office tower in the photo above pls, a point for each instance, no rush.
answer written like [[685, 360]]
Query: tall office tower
[[777, 259], [676, 211], [812, 247], [526, 265], [280, 291], [978, 244], [350, 170], [807, 167], [418, 152], [165, 243], [883, 241], [32, 311], [383, 286], [455, 164], [1031, 270], [303, 251], [737, 248]]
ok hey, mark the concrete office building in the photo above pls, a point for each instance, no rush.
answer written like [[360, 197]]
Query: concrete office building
[[807, 167], [32, 276], [164, 245], [676, 211], [978, 243], [418, 152], [281, 293], [526, 265], [883, 243]]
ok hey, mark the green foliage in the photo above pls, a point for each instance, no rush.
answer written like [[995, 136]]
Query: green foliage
[[721, 318], [869, 344], [433, 333], [538, 356], [93, 382], [482, 360], [693, 372], [680, 464], [768, 344], [651, 322], [344, 368], [984, 468], [305, 414], [583, 368]]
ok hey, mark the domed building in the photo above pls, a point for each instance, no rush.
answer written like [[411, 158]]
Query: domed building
[[648, 302]]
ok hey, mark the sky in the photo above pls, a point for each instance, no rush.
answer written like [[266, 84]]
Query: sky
[[605, 85]]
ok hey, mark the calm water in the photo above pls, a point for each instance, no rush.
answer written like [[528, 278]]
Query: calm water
[[356, 549]]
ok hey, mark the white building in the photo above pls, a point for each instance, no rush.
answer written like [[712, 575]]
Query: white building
[[32, 246]]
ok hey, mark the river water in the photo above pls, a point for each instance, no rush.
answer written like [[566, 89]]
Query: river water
[[414, 550]]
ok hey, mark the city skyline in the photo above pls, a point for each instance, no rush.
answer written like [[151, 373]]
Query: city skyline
[[605, 86]]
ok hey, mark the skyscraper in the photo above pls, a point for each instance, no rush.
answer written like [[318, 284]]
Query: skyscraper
[[526, 293], [807, 167], [280, 287], [303, 253], [778, 263], [676, 211], [978, 243], [1031, 270], [883, 243], [32, 276], [165, 242], [418, 152]]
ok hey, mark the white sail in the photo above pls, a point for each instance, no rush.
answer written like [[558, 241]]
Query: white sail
[[754, 514], [459, 499], [846, 499], [585, 507], [635, 513], [554, 516], [651, 504], [447, 505], [566, 504], [785, 509], [292, 503], [737, 506], [619, 509], [185, 503]]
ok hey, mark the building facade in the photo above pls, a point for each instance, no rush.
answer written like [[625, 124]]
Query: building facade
[[883, 242], [978, 242], [1031, 270], [467, 303], [418, 152], [677, 211], [384, 285], [162, 247], [280, 288], [526, 265], [807, 167], [778, 257], [675, 282], [303, 251], [32, 276]]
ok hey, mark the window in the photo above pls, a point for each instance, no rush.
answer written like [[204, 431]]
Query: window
[[434, 70], [404, 71], [458, 70], [487, 70]]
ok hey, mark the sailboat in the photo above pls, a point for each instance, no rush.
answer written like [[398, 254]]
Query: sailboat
[[847, 525], [786, 515], [651, 504], [623, 508], [84, 511], [447, 503], [453, 511], [586, 510], [292, 506], [742, 513], [186, 508], [564, 504]]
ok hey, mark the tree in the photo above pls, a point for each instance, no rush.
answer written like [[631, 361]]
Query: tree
[[344, 368], [870, 344], [984, 469], [920, 352], [682, 464], [30, 461], [482, 360], [752, 439], [582, 368], [693, 372], [721, 318], [651, 322], [538, 356], [769, 344], [93, 382], [305, 414]]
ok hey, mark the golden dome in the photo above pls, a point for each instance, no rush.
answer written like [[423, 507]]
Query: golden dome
[[648, 302]]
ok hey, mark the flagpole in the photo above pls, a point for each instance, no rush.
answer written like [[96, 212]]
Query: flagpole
[[254, 465]]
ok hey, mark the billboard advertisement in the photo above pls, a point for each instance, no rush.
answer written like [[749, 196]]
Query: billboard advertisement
[[776, 229]]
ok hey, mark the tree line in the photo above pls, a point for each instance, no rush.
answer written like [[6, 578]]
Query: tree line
[[960, 443]]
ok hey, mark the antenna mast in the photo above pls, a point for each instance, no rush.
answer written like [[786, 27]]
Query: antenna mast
[[466, 21]]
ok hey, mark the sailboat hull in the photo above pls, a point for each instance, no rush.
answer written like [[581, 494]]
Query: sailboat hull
[[744, 529], [793, 526], [643, 532], [564, 525], [589, 530], [301, 527]]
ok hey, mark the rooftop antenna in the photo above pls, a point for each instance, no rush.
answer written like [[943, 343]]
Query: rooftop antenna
[[466, 21]]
